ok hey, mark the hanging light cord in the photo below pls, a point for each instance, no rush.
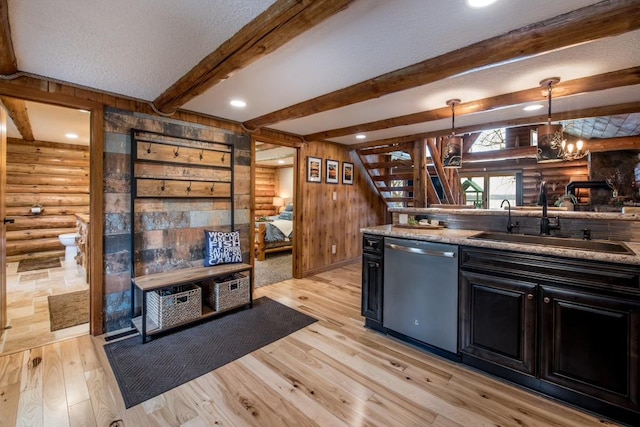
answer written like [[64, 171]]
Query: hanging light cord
[[453, 119], [549, 95]]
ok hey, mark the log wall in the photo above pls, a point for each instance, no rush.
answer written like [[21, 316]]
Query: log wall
[[266, 187], [53, 175]]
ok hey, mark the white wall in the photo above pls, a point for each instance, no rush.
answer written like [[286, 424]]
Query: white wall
[[286, 184]]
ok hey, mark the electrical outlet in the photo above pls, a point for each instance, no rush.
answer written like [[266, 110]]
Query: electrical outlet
[[333, 249], [335, 195]]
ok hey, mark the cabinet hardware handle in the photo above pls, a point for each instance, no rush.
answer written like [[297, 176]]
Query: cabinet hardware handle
[[547, 300], [530, 296], [373, 264]]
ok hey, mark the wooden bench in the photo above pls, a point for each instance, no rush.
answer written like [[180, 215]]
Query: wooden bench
[[185, 276]]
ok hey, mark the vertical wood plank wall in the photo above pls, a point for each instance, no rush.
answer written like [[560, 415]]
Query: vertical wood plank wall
[[325, 221], [50, 174]]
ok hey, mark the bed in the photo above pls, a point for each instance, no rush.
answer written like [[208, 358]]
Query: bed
[[274, 234]]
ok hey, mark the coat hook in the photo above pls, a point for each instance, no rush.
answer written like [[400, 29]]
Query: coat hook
[[175, 151], [213, 185], [223, 157], [149, 149], [201, 153], [162, 188], [189, 187]]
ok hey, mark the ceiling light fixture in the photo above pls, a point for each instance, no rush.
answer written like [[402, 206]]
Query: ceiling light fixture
[[238, 103], [361, 136], [71, 135], [477, 4], [552, 145], [533, 107], [453, 143]]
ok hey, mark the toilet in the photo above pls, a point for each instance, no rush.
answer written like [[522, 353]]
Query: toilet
[[70, 246]]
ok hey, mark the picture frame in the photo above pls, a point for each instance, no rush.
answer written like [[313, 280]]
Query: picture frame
[[332, 171], [314, 169], [347, 173]]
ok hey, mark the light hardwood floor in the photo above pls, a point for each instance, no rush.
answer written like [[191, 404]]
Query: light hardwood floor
[[331, 373], [28, 309]]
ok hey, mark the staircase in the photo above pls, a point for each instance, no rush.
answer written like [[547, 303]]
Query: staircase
[[405, 177]]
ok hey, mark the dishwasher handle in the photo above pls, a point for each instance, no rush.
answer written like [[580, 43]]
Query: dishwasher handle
[[446, 254]]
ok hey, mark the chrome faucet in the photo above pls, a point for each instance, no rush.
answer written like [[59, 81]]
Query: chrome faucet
[[545, 222], [510, 225]]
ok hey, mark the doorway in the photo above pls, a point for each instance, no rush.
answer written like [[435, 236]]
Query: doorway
[[47, 198], [274, 212]]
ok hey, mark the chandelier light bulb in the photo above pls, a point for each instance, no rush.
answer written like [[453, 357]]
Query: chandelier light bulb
[[570, 148], [579, 144]]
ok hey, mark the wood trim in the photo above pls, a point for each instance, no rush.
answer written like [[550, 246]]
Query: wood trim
[[3, 229], [17, 110], [614, 79], [96, 212], [281, 22], [8, 62], [604, 19], [419, 175]]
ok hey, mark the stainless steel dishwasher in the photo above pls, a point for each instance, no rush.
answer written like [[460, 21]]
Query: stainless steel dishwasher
[[421, 291]]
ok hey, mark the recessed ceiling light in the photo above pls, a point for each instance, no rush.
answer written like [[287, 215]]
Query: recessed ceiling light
[[281, 162], [361, 136], [84, 111], [238, 103], [476, 4], [533, 107], [71, 135]]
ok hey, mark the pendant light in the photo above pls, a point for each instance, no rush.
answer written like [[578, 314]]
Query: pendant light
[[549, 136], [552, 145], [453, 144]]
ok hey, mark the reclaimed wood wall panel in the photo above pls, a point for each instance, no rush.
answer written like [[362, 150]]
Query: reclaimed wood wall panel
[[169, 232], [53, 175]]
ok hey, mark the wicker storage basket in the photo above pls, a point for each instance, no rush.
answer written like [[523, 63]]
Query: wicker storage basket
[[181, 304], [226, 292]]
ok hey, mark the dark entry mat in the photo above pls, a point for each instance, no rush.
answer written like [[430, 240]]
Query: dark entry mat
[[38, 264], [146, 370]]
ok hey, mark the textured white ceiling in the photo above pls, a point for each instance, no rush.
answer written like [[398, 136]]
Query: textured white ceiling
[[139, 48]]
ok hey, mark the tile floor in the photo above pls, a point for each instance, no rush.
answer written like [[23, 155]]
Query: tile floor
[[28, 309]]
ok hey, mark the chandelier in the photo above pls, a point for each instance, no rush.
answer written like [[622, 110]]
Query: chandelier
[[552, 145]]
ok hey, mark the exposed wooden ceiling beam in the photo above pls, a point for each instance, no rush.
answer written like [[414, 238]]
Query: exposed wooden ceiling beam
[[604, 19], [281, 22], [8, 63], [17, 110], [626, 108], [626, 77]]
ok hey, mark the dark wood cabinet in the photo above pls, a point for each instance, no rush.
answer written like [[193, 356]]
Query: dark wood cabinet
[[372, 278], [590, 343], [499, 320], [568, 328]]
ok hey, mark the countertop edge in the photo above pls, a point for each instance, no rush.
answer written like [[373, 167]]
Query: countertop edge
[[461, 237]]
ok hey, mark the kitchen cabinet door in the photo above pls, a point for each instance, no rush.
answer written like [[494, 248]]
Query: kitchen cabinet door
[[498, 320], [590, 344], [372, 276]]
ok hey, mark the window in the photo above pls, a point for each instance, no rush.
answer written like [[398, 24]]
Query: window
[[489, 190], [490, 140]]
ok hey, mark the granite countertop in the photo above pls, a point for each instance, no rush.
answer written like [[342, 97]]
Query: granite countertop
[[520, 211], [461, 237]]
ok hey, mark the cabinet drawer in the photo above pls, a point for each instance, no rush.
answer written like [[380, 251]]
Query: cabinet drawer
[[550, 269], [372, 244]]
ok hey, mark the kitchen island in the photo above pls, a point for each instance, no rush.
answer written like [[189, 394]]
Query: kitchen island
[[561, 321]]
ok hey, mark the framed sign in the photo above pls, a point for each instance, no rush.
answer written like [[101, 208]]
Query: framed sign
[[332, 171], [347, 173], [314, 169]]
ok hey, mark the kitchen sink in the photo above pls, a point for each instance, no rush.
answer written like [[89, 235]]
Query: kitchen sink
[[559, 242]]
